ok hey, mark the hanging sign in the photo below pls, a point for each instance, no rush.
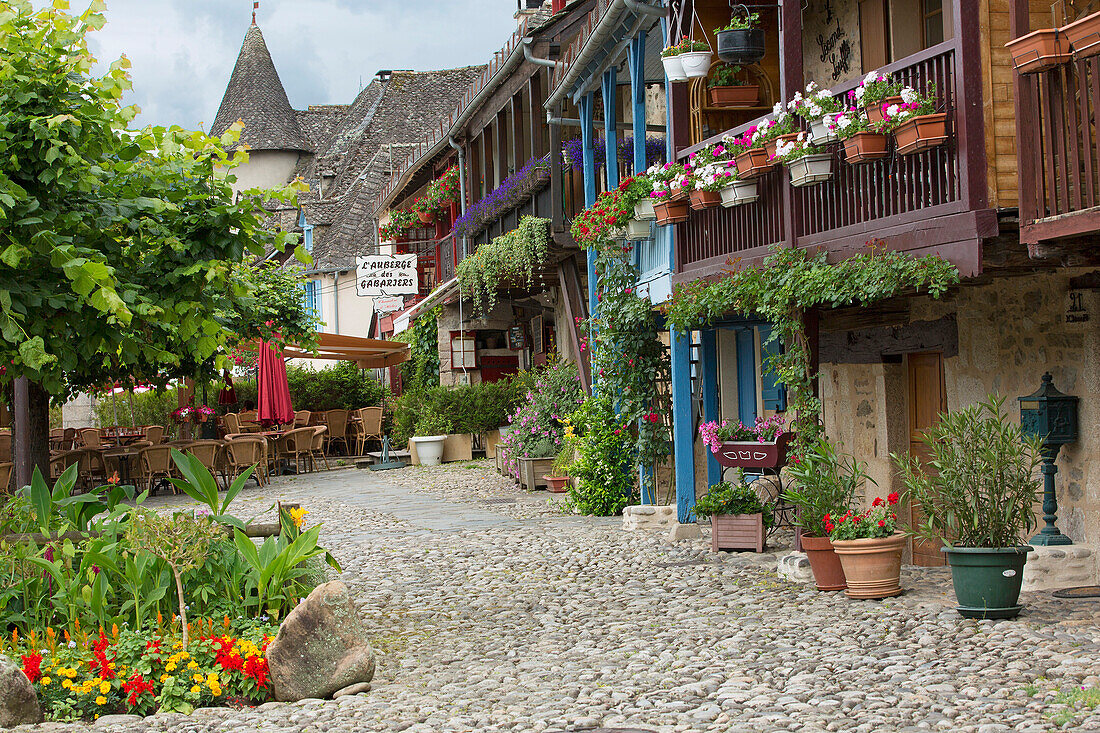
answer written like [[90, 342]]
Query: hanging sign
[[379, 275], [389, 303]]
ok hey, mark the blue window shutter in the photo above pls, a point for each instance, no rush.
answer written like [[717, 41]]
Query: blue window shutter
[[746, 376], [773, 391], [316, 284]]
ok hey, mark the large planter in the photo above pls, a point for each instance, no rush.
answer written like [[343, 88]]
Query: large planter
[[824, 562], [820, 132], [705, 199], [987, 580], [1038, 50], [874, 111], [643, 210], [810, 169], [865, 146], [636, 229], [674, 68], [921, 133], [671, 212], [1083, 36], [429, 448], [740, 192], [737, 532], [745, 95], [771, 145], [532, 472], [741, 47], [752, 163], [752, 454], [556, 484], [696, 64], [872, 567]]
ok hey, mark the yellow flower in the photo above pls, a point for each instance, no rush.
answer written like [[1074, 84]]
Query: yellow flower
[[101, 700], [184, 655], [46, 681], [212, 678], [170, 667], [299, 516], [104, 687], [163, 677], [197, 678], [192, 665], [196, 689], [67, 684], [215, 690]]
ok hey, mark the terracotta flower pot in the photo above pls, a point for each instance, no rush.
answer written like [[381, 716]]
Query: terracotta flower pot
[[771, 145], [865, 146], [1038, 50], [426, 217], [1083, 36], [874, 111], [705, 199], [745, 95], [824, 562], [556, 484], [752, 163], [671, 212], [921, 133], [872, 567], [737, 532]]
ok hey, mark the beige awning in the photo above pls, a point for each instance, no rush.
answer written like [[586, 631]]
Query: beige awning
[[367, 353]]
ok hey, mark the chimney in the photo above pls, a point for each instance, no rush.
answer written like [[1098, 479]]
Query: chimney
[[526, 8]]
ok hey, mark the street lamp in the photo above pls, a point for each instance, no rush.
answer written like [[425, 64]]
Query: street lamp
[[1052, 416]]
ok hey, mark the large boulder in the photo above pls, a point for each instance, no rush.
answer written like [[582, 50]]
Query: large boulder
[[18, 703], [321, 647]]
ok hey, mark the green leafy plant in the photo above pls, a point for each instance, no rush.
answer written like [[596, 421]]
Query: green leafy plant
[[826, 484], [563, 461], [200, 485], [510, 259], [433, 423], [735, 497], [725, 75], [605, 461], [875, 523], [741, 23], [978, 485], [611, 210], [546, 396]]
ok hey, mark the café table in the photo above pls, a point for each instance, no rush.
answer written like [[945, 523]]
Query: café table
[[122, 457]]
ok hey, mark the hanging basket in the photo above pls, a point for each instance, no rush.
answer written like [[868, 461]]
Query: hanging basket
[[671, 212], [1039, 50], [741, 47], [674, 68], [643, 210], [696, 64], [741, 192]]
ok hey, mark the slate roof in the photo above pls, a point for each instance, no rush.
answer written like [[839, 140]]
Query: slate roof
[[255, 95]]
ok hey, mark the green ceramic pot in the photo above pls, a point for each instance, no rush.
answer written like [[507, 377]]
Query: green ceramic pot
[[987, 579]]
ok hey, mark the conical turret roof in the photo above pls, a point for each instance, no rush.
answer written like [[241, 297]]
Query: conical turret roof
[[256, 96]]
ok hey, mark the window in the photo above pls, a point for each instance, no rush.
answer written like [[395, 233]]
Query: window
[[932, 12], [311, 298], [463, 351]]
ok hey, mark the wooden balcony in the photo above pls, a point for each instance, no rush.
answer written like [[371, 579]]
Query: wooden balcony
[[933, 201]]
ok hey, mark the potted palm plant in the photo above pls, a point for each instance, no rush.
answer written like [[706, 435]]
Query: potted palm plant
[[737, 516], [978, 501], [825, 486], [869, 546]]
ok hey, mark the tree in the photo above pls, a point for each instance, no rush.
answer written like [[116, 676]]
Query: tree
[[120, 250]]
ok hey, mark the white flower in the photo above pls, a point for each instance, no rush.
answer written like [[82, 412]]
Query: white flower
[[909, 94], [843, 121], [813, 110], [860, 90], [811, 87], [892, 111], [872, 77], [801, 136], [777, 108]]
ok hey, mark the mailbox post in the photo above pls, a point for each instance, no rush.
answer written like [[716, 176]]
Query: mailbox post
[[1052, 416]]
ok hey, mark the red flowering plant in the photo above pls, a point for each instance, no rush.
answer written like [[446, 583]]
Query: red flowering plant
[[612, 210], [424, 205], [445, 189], [875, 523]]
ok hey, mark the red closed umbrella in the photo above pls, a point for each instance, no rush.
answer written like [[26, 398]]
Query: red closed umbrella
[[274, 393]]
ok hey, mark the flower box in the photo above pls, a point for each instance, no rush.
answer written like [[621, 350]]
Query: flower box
[[1038, 50], [674, 68], [737, 532], [874, 111], [671, 212], [865, 146], [820, 132], [643, 210], [741, 192], [753, 454], [752, 163], [921, 133], [705, 199], [696, 64], [533, 471], [745, 95], [810, 169], [636, 229], [1083, 36], [771, 145]]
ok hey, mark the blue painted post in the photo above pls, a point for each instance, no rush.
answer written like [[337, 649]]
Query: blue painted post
[[610, 119], [683, 436], [588, 158], [637, 99], [708, 375]]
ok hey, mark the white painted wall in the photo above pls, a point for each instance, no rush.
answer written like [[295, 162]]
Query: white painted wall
[[265, 169]]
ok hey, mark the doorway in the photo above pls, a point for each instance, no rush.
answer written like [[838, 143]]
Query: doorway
[[927, 399]]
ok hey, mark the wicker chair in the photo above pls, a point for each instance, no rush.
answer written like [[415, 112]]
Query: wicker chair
[[317, 447], [155, 463], [93, 469], [337, 430], [370, 428], [301, 418], [244, 451], [61, 462], [5, 477], [296, 444], [89, 438], [209, 453], [154, 434], [5, 447]]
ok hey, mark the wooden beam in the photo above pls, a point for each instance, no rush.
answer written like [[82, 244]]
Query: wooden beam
[[637, 100], [683, 433], [1074, 224]]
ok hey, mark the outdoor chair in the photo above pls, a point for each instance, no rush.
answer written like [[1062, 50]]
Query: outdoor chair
[[244, 451], [317, 447], [5, 447], [249, 417], [5, 477], [155, 463], [89, 438], [209, 454], [93, 469], [68, 440], [301, 418], [370, 428], [337, 430], [296, 444], [61, 462], [154, 434]]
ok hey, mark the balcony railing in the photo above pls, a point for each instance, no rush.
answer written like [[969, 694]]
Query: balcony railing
[[856, 203]]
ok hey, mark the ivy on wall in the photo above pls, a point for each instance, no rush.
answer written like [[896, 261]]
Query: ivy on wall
[[511, 258]]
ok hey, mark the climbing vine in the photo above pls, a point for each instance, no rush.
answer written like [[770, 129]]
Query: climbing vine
[[790, 282], [422, 368], [510, 258]]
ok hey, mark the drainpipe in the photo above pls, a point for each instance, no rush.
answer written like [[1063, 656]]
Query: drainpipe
[[335, 302], [530, 57], [462, 208], [643, 9]]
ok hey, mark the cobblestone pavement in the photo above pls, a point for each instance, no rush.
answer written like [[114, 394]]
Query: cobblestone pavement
[[492, 611]]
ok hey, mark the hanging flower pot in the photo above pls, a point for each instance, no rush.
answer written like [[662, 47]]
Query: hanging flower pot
[[426, 217], [741, 192], [671, 212], [696, 63], [874, 111], [820, 132], [810, 169], [705, 199], [734, 97], [865, 146], [674, 67], [741, 46], [1083, 36], [770, 145], [643, 210], [921, 133], [637, 229], [752, 163], [1038, 50]]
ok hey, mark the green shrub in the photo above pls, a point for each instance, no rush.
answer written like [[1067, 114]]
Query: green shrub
[[341, 387], [605, 461], [474, 408], [737, 497]]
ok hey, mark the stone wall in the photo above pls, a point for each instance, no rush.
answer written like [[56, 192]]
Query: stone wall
[[1009, 333]]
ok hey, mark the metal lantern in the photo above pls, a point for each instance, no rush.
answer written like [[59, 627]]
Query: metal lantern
[[1052, 416]]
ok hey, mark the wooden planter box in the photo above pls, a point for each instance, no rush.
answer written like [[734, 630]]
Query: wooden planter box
[[1039, 50], [752, 163], [1083, 36], [737, 532], [921, 133], [751, 454], [532, 472], [705, 199], [490, 439], [745, 95], [865, 146]]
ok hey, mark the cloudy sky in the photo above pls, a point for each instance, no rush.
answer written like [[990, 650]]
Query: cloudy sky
[[183, 50]]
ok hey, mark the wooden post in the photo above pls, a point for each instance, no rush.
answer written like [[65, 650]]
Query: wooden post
[[708, 376], [969, 114], [557, 205], [790, 39], [683, 434], [637, 99], [1019, 24], [610, 133]]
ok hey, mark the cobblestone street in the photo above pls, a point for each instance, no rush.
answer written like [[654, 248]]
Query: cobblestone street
[[492, 611]]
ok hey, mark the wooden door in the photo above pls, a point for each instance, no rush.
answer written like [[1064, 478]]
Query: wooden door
[[874, 39], [927, 399]]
